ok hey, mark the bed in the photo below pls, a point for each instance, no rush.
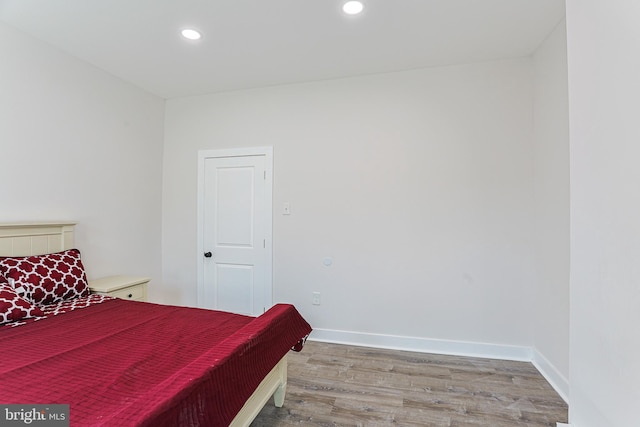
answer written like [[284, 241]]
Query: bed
[[131, 363]]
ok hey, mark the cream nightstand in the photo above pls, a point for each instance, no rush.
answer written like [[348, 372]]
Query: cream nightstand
[[125, 287]]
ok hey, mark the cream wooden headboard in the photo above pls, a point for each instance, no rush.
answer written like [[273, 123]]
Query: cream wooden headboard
[[35, 238]]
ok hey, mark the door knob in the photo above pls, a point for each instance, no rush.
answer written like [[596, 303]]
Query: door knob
[[208, 254]]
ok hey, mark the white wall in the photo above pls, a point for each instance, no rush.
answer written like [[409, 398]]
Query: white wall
[[78, 144], [603, 39], [551, 191], [418, 184]]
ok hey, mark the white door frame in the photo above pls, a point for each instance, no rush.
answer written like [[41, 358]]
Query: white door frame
[[238, 152]]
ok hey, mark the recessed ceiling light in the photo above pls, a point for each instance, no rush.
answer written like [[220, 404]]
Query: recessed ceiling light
[[352, 7], [191, 34]]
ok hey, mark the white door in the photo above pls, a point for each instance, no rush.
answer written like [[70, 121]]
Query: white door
[[236, 233]]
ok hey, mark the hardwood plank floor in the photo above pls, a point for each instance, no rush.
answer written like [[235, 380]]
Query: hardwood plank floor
[[340, 385]]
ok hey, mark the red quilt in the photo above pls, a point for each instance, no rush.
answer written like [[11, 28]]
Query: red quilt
[[126, 363]]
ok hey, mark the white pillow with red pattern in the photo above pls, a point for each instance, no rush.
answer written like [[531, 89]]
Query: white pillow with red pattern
[[49, 278], [13, 307]]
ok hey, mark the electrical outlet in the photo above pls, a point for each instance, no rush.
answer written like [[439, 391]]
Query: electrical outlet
[[315, 298]]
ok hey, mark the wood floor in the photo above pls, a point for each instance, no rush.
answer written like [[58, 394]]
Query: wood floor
[[338, 385]]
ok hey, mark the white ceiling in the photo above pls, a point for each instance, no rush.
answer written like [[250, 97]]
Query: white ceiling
[[253, 43]]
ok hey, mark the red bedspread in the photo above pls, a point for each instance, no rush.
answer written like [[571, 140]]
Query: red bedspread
[[126, 363]]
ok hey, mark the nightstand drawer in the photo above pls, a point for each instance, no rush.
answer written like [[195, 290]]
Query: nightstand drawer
[[132, 292]]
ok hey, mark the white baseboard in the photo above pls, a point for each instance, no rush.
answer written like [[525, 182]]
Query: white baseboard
[[552, 375], [563, 425], [424, 345]]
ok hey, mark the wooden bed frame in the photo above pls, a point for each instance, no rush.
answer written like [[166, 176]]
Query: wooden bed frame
[[24, 239]]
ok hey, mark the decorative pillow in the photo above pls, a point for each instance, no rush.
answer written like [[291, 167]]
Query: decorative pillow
[[49, 278], [13, 307]]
